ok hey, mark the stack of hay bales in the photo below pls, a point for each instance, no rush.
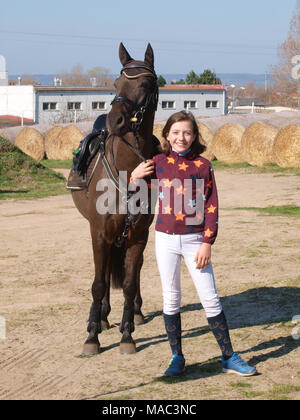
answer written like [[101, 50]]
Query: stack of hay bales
[[61, 141], [257, 143], [286, 149], [31, 142], [207, 138], [226, 144]]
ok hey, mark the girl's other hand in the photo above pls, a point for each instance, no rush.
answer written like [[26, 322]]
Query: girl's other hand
[[203, 256], [144, 169]]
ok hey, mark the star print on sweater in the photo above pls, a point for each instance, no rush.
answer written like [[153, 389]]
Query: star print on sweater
[[191, 167]]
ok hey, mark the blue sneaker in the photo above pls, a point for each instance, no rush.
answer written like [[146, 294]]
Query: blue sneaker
[[176, 366], [237, 365]]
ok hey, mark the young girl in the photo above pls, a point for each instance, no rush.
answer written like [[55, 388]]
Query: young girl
[[175, 238]]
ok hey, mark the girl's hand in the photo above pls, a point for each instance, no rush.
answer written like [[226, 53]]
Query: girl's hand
[[144, 169], [203, 256]]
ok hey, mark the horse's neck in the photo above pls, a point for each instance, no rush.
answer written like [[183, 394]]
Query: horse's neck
[[145, 134]]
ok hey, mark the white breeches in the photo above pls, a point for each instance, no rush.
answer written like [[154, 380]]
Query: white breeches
[[169, 250]]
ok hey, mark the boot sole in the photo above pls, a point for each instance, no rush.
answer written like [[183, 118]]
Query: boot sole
[[238, 373]]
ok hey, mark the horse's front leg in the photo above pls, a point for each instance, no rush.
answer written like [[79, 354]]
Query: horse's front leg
[[132, 262], [105, 304], [139, 318], [100, 250]]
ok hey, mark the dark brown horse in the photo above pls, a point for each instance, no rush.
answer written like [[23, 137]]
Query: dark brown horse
[[118, 240]]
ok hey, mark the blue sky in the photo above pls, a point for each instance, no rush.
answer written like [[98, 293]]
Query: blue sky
[[229, 36]]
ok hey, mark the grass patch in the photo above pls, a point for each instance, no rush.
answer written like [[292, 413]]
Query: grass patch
[[286, 210], [247, 168], [57, 164], [280, 392], [21, 177]]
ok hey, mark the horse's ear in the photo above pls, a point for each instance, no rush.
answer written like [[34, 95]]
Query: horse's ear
[[149, 56], [124, 55]]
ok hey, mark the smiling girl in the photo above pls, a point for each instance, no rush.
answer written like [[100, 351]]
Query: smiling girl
[[175, 237]]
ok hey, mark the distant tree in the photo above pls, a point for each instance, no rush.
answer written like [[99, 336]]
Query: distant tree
[[161, 81], [209, 78], [101, 74], [192, 78], [77, 77], [285, 82], [178, 82]]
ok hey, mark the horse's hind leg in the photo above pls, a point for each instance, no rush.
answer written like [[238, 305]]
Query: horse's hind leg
[[100, 249]]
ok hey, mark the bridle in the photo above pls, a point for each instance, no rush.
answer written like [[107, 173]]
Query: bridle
[[136, 121], [138, 110], [151, 99]]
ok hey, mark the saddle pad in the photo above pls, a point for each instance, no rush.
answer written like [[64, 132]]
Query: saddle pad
[[77, 182]]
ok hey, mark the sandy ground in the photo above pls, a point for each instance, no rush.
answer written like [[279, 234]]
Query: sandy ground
[[46, 273]]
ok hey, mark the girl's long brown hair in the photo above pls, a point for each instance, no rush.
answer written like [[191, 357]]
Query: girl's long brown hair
[[197, 146]]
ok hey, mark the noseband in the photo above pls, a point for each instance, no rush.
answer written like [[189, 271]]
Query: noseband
[[151, 98]]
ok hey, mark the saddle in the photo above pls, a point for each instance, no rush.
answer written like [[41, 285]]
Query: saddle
[[85, 156], [90, 151]]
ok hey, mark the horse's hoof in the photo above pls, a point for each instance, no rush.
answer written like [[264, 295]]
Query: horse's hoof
[[105, 325], [139, 319], [90, 349], [127, 348]]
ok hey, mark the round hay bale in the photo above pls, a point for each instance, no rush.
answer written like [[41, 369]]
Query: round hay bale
[[60, 144], [207, 138], [31, 142], [286, 148], [226, 144], [51, 136], [257, 143], [157, 131]]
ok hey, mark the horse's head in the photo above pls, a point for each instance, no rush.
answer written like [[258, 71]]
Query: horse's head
[[136, 92]]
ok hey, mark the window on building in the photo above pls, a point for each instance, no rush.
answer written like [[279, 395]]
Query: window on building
[[49, 106], [98, 105], [74, 105], [190, 104], [168, 104], [212, 104]]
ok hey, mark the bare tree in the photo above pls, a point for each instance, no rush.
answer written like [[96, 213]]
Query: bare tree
[[285, 84], [77, 77], [102, 76]]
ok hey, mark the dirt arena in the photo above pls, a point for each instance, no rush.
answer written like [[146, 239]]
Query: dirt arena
[[46, 273]]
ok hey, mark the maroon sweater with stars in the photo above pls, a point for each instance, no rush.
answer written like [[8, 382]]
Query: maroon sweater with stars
[[170, 172]]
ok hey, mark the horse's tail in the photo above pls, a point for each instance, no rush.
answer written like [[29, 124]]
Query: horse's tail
[[117, 268]]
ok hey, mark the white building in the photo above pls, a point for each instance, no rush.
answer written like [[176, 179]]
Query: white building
[[201, 100], [18, 101], [62, 104]]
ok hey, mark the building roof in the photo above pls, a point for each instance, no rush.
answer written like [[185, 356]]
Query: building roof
[[194, 87], [110, 88], [74, 88], [13, 120]]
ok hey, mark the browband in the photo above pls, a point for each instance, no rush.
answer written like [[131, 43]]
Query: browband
[[138, 66]]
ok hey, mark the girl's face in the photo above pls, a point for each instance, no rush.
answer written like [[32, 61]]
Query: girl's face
[[181, 136]]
